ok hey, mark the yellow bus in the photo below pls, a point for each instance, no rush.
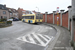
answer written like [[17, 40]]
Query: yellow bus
[[32, 18]]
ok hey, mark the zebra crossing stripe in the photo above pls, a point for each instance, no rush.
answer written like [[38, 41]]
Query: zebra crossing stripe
[[31, 39], [37, 37], [47, 37], [43, 37], [42, 43], [24, 39]]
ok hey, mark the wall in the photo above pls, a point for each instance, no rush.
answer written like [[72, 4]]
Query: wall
[[50, 18], [65, 20], [55, 19], [7, 13], [20, 13], [43, 17]]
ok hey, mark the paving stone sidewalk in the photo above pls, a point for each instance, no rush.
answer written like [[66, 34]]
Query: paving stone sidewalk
[[62, 39]]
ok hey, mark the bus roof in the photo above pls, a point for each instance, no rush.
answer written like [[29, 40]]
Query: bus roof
[[29, 15]]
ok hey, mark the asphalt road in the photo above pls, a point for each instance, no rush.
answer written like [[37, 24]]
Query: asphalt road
[[24, 36]]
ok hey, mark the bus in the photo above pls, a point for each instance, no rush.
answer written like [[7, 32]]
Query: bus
[[32, 18]]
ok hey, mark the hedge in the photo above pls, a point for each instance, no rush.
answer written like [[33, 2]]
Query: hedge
[[3, 20], [9, 22]]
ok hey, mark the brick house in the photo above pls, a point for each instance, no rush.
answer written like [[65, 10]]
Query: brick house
[[23, 12], [3, 12], [20, 12], [12, 12]]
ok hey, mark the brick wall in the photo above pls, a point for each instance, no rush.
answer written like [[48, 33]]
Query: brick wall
[[20, 13], [55, 19], [43, 17], [50, 18], [65, 20]]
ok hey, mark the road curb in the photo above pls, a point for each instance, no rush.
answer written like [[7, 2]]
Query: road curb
[[52, 43]]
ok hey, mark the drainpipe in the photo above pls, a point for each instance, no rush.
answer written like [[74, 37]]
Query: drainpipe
[[46, 16], [69, 16], [61, 12], [53, 15]]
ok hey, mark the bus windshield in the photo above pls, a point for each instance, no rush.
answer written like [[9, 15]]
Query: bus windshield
[[39, 16]]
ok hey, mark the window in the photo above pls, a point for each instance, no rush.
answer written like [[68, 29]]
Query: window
[[5, 17], [16, 14], [10, 13], [9, 9], [14, 10], [2, 7], [4, 12], [29, 17], [39, 17]]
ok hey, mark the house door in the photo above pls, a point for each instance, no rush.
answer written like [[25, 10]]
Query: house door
[[1, 17]]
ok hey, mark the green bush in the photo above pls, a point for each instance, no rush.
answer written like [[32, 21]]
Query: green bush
[[9, 22], [0, 20], [3, 19]]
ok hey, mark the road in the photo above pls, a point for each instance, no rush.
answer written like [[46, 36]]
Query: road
[[24, 36]]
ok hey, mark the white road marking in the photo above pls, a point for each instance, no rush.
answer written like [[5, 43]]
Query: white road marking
[[36, 36], [59, 47], [49, 28], [31, 39], [50, 38], [42, 43], [24, 38], [43, 37], [47, 36]]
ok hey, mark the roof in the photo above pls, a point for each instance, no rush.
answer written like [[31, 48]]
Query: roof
[[3, 7], [12, 10]]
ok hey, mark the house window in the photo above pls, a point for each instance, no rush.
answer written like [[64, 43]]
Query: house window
[[4, 12], [9, 9], [10, 13], [16, 14], [5, 17], [14, 10]]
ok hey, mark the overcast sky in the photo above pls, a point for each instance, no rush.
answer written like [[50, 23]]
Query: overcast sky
[[43, 5]]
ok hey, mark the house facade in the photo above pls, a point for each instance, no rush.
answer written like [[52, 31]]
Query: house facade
[[23, 12], [4, 12], [13, 13]]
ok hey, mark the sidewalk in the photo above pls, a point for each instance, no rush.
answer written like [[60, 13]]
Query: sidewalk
[[62, 39]]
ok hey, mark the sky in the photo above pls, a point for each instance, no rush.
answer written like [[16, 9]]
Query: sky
[[43, 5]]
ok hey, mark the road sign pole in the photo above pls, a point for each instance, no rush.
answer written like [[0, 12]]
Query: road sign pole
[[57, 16]]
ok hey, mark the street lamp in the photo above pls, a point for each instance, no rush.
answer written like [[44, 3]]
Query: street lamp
[[38, 9]]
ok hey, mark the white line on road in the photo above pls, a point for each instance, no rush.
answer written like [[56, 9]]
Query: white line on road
[[24, 38], [42, 37], [42, 43], [47, 36], [36, 36], [31, 39]]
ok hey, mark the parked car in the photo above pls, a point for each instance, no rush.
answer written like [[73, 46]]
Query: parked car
[[10, 19], [15, 19]]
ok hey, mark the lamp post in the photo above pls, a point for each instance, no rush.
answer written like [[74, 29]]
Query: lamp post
[[38, 9]]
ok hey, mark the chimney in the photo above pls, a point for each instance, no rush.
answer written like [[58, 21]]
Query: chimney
[[5, 5]]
